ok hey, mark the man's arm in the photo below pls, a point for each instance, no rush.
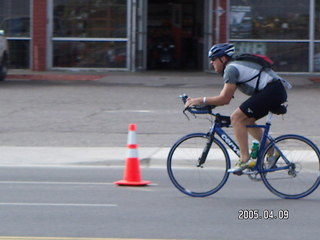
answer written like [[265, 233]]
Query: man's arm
[[223, 98]]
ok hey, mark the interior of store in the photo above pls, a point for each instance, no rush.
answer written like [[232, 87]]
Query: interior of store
[[175, 34]]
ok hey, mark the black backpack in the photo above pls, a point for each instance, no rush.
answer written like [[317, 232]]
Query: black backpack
[[261, 60]]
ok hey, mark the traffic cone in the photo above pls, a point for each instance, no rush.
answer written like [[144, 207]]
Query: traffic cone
[[132, 176]]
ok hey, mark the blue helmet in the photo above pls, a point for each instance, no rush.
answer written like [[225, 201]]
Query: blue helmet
[[222, 49]]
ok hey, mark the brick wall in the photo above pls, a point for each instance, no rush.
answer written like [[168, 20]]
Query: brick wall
[[39, 42]]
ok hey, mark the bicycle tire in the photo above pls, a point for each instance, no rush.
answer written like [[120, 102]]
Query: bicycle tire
[[303, 177], [191, 179]]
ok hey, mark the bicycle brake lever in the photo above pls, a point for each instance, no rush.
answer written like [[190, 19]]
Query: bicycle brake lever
[[184, 97], [184, 112]]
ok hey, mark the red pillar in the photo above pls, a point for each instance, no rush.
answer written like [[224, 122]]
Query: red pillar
[[220, 21], [223, 21], [39, 35]]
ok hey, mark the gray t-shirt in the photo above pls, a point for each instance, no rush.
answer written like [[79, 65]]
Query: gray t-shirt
[[237, 72]]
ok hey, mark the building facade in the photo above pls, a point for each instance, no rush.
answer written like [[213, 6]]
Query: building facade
[[132, 35]]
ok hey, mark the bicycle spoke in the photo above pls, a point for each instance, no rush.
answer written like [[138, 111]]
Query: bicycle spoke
[[302, 159], [185, 172]]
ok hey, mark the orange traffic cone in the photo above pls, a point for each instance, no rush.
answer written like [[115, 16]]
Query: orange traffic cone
[[132, 176]]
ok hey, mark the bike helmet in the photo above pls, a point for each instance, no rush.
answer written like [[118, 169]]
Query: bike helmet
[[222, 49]]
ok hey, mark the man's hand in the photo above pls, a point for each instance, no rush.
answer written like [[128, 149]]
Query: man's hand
[[193, 102]]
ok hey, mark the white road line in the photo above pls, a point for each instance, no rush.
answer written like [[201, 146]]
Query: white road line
[[58, 204], [130, 111], [71, 238], [58, 183]]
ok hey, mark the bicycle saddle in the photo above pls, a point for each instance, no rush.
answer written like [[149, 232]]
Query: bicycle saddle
[[281, 109]]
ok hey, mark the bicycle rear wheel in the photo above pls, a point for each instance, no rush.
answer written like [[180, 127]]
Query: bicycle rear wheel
[[187, 176], [296, 173]]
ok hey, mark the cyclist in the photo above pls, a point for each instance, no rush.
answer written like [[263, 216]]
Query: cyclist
[[268, 95]]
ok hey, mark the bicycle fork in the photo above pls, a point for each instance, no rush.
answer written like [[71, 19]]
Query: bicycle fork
[[203, 157]]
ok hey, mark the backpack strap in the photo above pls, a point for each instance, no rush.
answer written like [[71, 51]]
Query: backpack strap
[[261, 60], [254, 77]]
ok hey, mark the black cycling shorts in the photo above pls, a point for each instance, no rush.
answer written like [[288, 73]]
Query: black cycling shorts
[[259, 104]]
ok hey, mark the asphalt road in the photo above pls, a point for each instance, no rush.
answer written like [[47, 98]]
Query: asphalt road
[[77, 199], [83, 202]]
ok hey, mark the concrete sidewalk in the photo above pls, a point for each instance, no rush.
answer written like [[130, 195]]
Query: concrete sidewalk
[[79, 156]]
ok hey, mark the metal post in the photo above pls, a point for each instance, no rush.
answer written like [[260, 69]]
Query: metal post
[[132, 14], [311, 34]]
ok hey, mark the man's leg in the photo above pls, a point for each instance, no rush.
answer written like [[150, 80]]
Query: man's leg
[[257, 133], [239, 122]]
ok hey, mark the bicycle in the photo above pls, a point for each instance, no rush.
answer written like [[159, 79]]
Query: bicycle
[[198, 163]]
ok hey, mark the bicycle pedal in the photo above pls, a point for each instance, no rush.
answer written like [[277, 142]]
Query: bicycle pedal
[[238, 173], [249, 172]]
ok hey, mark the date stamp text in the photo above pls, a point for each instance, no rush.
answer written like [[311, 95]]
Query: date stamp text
[[267, 214]]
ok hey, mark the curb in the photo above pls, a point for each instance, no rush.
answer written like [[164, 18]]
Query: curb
[[315, 80], [55, 77]]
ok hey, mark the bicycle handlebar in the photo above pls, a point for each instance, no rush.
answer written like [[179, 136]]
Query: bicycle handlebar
[[198, 109], [223, 121]]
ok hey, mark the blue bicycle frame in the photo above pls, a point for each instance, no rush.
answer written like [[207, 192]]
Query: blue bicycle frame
[[217, 128]]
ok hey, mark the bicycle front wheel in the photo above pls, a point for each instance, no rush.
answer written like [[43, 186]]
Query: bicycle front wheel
[[184, 170], [296, 172]]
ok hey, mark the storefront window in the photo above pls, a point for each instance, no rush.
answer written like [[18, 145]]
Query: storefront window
[[287, 56], [317, 20], [317, 37], [273, 19], [86, 54], [90, 18], [19, 51], [15, 22], [90, 34], [317, 57], [276, 28]]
